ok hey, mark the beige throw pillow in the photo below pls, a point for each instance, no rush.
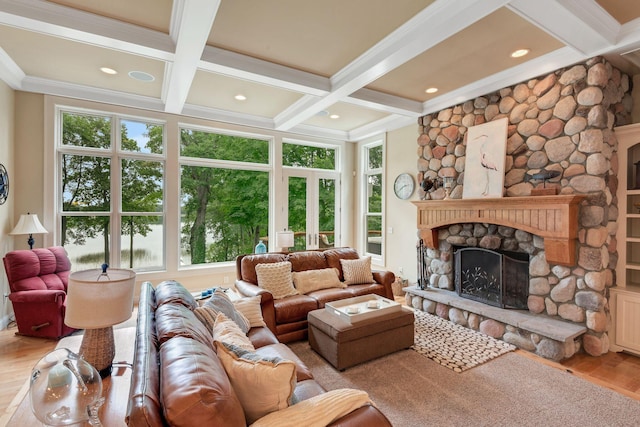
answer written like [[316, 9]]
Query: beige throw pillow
[[262, 384], [357, 271], [313, 280], [227, 331], [317, 411], [251, 309], [275, 277]]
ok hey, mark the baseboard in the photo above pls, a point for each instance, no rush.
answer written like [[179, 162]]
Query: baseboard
[[4, 322]]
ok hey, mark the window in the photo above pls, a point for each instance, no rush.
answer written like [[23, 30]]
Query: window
[[224, 194], [175, 197], [313, 190], [307, 156], [373, 180], [111, 203]]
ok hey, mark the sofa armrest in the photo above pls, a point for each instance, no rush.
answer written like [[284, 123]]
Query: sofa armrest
[[367, 415], [38, 296], [266, 301], [385, 278]]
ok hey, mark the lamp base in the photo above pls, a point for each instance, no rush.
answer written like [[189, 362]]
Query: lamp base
[[98, 348]]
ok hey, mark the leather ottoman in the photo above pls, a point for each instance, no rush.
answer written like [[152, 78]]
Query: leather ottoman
[[343, 344]]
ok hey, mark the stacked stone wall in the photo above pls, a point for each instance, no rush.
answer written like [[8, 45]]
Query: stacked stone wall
[[560, 122]]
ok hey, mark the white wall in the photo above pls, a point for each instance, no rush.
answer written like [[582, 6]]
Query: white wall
[[401, 215], [7, 97]]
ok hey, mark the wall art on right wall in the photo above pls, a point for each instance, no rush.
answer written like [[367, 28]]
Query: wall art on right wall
[[485, 160]]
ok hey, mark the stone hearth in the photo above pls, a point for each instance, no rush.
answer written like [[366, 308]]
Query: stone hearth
[[547, 337]]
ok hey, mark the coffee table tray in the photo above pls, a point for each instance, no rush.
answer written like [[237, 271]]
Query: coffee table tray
[[361, 308]]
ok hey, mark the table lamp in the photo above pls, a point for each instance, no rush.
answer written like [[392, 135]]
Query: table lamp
[[284, 240], [28, 224], [96, 300]]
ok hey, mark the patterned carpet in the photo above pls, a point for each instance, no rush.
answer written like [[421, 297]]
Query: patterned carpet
[[453, 346]]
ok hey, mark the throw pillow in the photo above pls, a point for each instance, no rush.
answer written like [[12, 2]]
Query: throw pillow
[[313, 280], [220, 302], [263, 385], [275, 277], [251, 309], [317, 411], [227, 331], [206, 315], [357, 271]]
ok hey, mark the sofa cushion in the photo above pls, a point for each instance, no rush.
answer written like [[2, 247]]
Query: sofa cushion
[[195, 388], [227, 331], [276, 278], [221, 303], [334, 256], [250, 308], [320, 410], [293, 308], [312, 280], [177, 320], [307, 260], [171, 291], [357, 271], [263, 385]]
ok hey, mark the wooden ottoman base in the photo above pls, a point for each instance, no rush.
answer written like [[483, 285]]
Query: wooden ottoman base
[[343, 344]]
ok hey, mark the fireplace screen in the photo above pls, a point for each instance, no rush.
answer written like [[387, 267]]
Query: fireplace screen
[[496, 278]]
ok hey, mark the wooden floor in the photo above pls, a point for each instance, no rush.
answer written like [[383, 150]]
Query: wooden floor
[[18, 355]]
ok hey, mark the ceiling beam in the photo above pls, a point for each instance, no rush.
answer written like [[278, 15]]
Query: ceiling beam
[[256, 70], [196, 18], [10, 73], [432, 25], [584, 25], [72, 24]]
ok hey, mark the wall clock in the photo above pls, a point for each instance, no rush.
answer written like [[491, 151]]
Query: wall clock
[[403, 186], [4, 184]]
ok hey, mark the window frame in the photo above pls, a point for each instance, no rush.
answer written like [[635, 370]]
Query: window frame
[[367, 171], [116, 154]]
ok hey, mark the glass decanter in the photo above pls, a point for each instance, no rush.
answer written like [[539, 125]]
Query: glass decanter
[[65, 390]]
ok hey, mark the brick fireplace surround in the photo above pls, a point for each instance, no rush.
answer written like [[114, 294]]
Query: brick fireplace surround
[[563, 122]]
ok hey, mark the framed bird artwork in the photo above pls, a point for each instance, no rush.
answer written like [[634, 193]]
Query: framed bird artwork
[[485, 160]]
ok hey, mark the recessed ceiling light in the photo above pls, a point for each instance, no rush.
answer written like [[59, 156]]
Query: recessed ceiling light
[[141, 76], [519, 53], [334, 116], [240, 97], [108, 70], [432, 90]]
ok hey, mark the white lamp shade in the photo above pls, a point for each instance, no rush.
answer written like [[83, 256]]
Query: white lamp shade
[[28, 224], [284, 239], [96, 300]]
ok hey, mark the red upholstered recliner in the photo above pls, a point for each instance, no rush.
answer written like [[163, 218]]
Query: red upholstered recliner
[[38, 281]]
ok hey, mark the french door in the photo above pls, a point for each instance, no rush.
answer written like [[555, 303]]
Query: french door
[[312, 206]]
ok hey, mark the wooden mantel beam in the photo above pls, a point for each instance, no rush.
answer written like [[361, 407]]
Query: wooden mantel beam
[[554, 218]]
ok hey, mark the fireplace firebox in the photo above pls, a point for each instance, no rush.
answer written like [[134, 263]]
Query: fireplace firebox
[[498, 278]]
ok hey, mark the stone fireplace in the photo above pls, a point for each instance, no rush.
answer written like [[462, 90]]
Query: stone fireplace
[[561, 122]]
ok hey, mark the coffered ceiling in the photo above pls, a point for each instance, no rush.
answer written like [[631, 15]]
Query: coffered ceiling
[[300, 63]]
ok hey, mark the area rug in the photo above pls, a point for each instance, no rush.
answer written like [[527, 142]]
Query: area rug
[[454, 346], [511, 390]]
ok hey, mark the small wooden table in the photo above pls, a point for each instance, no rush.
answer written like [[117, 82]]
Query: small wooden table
[[115, 388]]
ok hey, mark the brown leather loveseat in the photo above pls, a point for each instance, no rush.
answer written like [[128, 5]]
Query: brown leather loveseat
[[178, 378], [287, 317]]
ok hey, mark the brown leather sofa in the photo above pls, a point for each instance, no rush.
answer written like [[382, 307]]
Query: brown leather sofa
[[287, 317], [178, 380]]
